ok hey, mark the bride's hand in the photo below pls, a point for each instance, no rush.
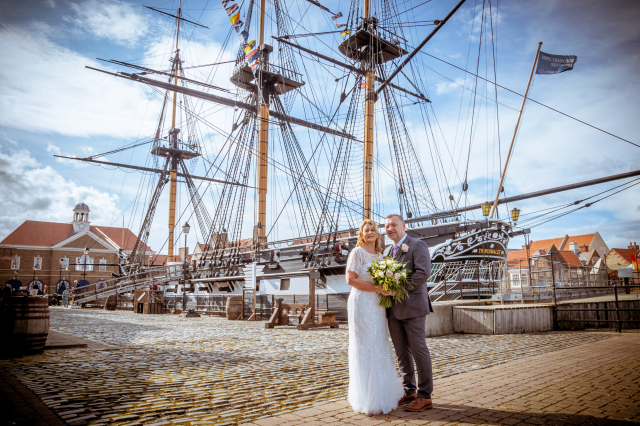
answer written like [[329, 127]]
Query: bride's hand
[[388, 292]]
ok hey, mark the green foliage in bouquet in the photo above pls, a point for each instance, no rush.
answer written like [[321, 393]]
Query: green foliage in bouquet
[[390, 274]]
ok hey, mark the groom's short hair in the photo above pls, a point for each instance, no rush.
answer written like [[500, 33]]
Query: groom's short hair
[[395, 215]]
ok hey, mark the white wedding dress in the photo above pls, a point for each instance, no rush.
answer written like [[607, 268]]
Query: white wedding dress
[[374, 384]]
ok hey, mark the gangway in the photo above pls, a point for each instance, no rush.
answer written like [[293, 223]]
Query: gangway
[[116, 286]]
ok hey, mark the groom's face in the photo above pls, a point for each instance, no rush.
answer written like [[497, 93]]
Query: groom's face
[[395, 228]]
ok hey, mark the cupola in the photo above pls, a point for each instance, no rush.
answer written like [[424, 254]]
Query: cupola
[[80, 217]]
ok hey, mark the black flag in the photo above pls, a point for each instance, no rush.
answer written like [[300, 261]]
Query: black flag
[[555, 64]]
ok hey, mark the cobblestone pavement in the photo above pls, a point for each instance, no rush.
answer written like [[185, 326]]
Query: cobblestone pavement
[[168, 370], [593, 384]]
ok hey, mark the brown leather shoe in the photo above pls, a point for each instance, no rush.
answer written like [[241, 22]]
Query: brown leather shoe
[[407, 398], [419, 404]]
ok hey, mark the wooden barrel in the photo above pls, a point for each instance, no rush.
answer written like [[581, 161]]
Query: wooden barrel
[[234, 307], [25, 324], [111, 303]]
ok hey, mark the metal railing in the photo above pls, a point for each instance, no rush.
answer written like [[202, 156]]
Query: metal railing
[[465, 280]]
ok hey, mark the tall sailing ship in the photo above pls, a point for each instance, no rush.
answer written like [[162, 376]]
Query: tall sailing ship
[[301, 163]]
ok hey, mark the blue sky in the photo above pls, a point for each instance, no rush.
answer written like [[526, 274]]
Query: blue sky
[[51, 104]]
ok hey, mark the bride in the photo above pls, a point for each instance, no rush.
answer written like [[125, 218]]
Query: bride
[[374, 384]]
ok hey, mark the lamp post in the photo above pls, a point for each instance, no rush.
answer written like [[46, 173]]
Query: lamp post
[[185, 229], [84, 272], [61, 265]]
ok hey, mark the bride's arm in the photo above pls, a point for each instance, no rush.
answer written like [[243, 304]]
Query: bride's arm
[[355, 282]]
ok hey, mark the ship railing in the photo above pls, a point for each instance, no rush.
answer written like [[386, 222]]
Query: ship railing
[[465, 280]]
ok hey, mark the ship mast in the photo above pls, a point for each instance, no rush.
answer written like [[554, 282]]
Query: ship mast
[[173, 143], [368, 127], [263, 138]]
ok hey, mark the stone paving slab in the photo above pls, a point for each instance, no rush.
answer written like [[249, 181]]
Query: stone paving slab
[[57, 340], [592, 384], [163, 369]]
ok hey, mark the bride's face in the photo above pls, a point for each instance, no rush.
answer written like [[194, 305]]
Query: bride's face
[[370, 233]]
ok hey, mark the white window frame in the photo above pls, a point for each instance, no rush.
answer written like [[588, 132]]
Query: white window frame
[[80, 263], [103, 265], [37, 263], [65, 264], [15, 263]]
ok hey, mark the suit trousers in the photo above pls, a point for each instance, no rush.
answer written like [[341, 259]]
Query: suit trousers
[[409, 340]]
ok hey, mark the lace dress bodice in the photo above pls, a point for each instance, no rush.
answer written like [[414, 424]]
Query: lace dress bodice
[[374, 384]]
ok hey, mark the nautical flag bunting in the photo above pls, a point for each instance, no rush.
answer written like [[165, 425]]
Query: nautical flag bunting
[[252, 53], [344, 33], [338, 15]]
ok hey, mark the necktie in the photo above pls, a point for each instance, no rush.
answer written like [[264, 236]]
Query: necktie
[[395, 249]]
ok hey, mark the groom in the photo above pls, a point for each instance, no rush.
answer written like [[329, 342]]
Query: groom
[[407, 319]]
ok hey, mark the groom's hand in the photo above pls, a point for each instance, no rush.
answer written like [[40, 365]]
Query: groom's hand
[[388, 292]]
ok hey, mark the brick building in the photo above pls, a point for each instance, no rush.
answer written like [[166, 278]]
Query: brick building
[[618, 258], [33, 251]]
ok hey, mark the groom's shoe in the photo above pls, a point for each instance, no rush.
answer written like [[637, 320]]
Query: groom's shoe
[[419, 404], [406, 399]]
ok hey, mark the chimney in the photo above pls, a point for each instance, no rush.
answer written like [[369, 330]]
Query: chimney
[[633, 246], [573, 246], [583, 248]]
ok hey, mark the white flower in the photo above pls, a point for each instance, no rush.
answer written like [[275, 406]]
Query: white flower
[[379, 274], [397, 277], [389, 274], [404, 248]]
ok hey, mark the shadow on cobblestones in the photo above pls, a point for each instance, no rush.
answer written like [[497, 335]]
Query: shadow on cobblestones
[[477, 415]]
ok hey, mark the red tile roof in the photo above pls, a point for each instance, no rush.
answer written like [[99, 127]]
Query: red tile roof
[[159, 260], [625, 253], [570, 257], [35, 233], [578, 239]]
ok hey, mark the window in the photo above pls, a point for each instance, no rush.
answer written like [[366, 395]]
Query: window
[[103, 265], [80, 263], [64, 264], [15, 263], [37, 263], [285, 283]]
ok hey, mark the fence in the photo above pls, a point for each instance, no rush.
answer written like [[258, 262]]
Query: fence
[[533, 281], [215, 304]]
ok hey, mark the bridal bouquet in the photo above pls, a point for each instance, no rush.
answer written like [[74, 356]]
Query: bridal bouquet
[[390, 274]]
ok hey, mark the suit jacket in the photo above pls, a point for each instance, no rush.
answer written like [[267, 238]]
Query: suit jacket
[[419, 263]]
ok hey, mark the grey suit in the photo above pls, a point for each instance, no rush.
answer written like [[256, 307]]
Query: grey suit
[[407, 320]]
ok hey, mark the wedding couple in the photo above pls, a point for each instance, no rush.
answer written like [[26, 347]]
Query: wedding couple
[[374, 385]]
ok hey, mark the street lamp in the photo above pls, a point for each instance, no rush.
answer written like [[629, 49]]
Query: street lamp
[[61, 265], [84, 272], [486, 208], [515, 215], [185, 229]]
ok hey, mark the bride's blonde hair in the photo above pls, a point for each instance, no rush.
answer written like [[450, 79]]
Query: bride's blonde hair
[[361, 241]]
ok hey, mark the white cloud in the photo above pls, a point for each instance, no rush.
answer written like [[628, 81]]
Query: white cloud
[[32, 192], [50, 3], [448, 87], [46, 88], [114, 20]]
